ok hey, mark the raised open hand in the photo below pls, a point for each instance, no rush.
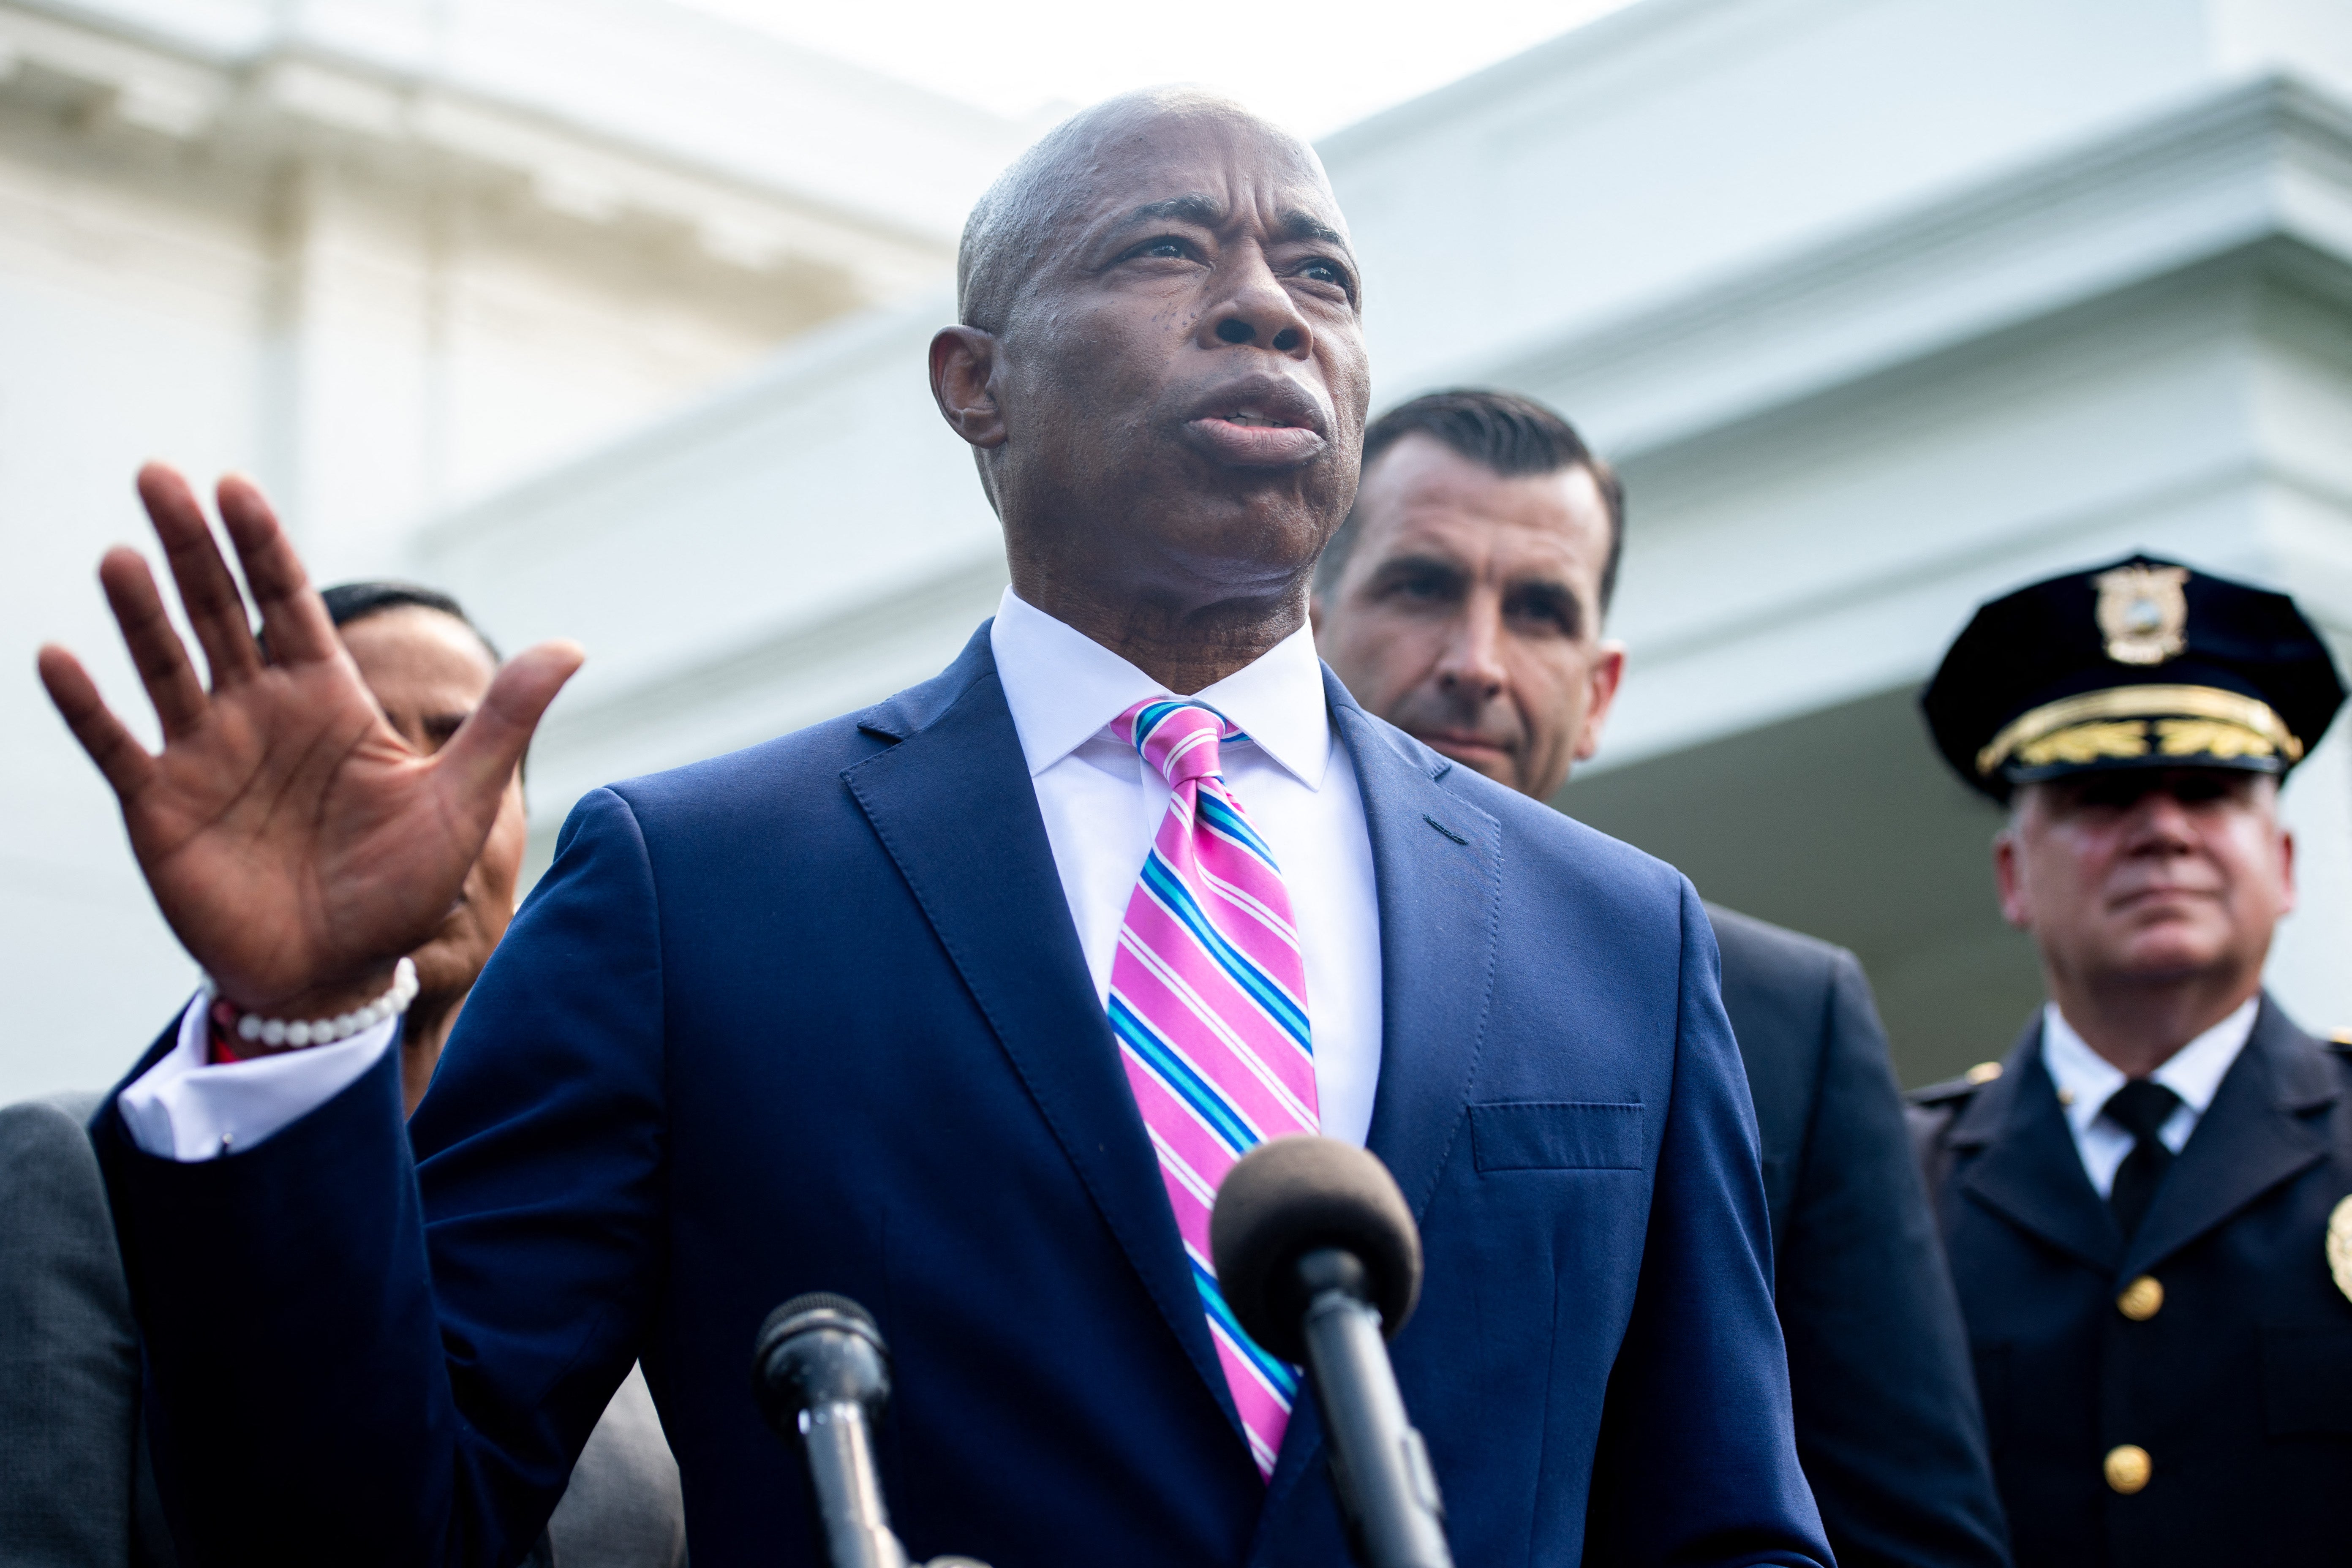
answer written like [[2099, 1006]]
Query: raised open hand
[[294, 842]]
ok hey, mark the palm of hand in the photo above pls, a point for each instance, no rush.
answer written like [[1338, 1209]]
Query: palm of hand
[[294, 843]]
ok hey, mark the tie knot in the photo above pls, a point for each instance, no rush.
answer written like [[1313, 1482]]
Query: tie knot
[[2140, 1107], [1176, 735]]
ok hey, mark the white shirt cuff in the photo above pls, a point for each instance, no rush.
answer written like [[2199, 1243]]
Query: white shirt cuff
[[185, 1108]]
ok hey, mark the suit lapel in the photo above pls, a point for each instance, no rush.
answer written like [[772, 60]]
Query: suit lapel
[[2029, 1172], [1438, 870], [1437, 865], [957, 781], [2256, 1133]]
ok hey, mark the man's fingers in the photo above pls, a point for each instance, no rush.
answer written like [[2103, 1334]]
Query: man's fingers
[[292, 614], [156, 647], [481, 757], [209, 595], [117, 753]]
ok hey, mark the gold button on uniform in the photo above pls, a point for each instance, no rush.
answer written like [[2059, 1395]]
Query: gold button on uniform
[[2141, 1300], [2128, 1466]]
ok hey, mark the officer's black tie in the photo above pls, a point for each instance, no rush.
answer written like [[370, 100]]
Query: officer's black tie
[[2139, 1108]]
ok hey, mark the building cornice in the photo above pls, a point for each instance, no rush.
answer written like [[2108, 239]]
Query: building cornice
[[253, 109], [2269, 160]]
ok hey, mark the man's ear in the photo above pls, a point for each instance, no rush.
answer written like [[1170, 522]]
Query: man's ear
[[1607, 673], [963, 382], [2286, 872], [2010, 879]]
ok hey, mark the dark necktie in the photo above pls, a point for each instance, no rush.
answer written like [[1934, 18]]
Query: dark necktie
[[2139, 1108]]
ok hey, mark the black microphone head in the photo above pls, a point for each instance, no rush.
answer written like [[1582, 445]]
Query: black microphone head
[[1291, 1196], [817, 1349]]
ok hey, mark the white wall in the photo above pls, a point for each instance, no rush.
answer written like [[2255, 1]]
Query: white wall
[[386, 254]]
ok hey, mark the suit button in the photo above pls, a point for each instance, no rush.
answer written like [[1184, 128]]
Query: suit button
[[2142, 1298], [2128, 1468]]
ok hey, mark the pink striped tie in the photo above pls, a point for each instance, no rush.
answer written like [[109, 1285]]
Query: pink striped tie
[[1208, 998]]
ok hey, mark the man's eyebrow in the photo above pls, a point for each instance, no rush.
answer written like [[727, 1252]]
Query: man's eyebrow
[[1194, 208], [1419, 562], [1299, 224], [1197, 208]]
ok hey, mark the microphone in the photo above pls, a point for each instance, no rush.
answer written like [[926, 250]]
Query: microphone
[[1317, 1256], [819, 1368]]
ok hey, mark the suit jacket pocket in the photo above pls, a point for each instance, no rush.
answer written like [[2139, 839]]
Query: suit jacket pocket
[[2307, 1381], [1556, 1135]]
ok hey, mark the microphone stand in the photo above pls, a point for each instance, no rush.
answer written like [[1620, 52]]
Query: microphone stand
[[1379, 1466], [820, 1363]]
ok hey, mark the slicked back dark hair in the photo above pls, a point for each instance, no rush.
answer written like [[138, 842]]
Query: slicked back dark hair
[[1502, 431], [349, 602]]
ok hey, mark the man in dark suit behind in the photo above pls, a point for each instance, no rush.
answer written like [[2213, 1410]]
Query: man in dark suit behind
[[915, 1006], [2146, 1204], [1464, 601]]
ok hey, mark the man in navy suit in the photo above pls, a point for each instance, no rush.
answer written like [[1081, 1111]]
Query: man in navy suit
[[1465, 600], [829, 1013]]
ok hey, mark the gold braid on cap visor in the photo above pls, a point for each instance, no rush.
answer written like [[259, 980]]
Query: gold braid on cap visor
[[2189, 720]]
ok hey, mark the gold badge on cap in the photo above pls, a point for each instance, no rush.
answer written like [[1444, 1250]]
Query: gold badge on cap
[[2143, 613], [2339, 1246]]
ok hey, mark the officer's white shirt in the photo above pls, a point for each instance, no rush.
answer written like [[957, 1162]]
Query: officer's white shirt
[[2085, 1079], [1101, 803]]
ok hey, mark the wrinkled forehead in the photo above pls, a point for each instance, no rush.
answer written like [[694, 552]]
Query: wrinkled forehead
[[1198, 163]]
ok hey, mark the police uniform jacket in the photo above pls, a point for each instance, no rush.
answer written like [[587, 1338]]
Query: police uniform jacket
[[2230, 1372]]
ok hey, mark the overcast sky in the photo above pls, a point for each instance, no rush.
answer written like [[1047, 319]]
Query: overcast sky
[[1312, 66]]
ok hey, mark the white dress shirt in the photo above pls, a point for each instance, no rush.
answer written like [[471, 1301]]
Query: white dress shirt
[[2085, 1079], [1101, 803]]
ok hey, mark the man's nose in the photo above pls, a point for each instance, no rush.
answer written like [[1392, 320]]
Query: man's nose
[[2161, 825], [1254, 309], [1472, 666]]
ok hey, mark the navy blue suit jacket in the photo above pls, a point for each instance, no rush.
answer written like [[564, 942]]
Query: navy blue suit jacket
[[2238, 1386], [1887, 1425], [814, 1015]]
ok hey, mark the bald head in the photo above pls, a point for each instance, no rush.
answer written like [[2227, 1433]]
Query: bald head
[[1012, 227], [1160, 369]]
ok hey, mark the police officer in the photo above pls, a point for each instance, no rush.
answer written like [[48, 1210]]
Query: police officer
[[2145, 1202]]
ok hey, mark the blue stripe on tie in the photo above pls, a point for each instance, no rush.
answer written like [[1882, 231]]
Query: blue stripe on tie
[[1183, 1082], [1228, 823], [1178, 900], [1278, 1374], [1157, 713]]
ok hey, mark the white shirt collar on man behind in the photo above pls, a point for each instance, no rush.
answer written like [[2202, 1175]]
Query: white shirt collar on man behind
[[2086, 1079]]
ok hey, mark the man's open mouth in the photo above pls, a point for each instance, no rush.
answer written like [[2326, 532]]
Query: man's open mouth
[[1262, 422]]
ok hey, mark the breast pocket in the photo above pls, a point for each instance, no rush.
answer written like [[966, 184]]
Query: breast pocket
[[1557, 1135]]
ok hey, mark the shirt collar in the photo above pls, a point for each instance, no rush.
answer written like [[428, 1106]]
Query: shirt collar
[[1065, 689], [2194, 1072]]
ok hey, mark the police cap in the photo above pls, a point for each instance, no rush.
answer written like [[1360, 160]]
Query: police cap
[[2143, 663]]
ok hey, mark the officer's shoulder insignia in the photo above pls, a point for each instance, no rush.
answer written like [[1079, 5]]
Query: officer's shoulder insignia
[[2339, 1246], [1953, 1088]]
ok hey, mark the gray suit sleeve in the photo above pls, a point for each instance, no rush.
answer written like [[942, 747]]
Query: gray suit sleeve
[[69, 1354], [623, 1507]]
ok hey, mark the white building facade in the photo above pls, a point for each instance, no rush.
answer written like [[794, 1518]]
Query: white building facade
[[385, 254], [1882, 306]]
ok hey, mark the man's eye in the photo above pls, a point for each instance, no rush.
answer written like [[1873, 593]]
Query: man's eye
[[1422, 585], [1167, 245], [1322, 271]]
